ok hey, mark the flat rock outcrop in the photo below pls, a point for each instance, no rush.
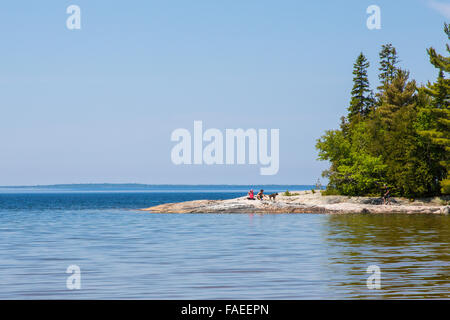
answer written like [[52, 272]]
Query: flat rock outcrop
[[306, 202]]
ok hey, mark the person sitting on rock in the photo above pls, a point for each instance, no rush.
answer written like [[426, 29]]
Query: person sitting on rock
[[250, 195], [260, 195]]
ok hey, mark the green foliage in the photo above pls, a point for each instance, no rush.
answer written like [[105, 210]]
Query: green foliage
[[403, 142], [361, 101], [435, 115], [388, 62], [362, 176], [330, 192], [289, 194], [353, 171]]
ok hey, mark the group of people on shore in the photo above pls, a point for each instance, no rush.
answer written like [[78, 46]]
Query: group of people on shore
[[260, 195]]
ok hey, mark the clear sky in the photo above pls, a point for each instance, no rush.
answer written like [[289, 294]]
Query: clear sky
[[99, 104]]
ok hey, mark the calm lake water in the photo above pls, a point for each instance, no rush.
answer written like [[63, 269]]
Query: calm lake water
[[127, 254]]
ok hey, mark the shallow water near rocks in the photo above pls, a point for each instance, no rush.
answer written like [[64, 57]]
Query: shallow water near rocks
[[124, 253]]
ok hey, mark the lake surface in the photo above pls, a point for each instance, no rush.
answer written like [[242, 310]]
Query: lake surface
[[124, 253]]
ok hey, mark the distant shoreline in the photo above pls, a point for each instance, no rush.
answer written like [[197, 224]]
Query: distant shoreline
[[306, 202], [143, 185]]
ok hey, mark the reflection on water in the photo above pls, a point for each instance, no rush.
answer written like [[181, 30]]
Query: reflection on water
[[411, 250], [124, 253]]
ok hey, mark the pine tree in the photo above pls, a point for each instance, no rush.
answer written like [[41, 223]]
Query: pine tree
[[397, 94], [396, 134], [388, 62], [399, 91], [403, 142], [362, 98], [440, 62], [439, 110]]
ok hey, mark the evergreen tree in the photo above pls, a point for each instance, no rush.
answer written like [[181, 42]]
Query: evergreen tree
[[441, 62], [438, 111], [361, 100], [397, 94], [388, 62], [394, 121], [404, 141]]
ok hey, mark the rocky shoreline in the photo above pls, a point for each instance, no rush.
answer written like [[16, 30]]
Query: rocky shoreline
[[307, 202]]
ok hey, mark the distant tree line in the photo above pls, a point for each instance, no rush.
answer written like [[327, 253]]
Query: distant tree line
[[398, 136]]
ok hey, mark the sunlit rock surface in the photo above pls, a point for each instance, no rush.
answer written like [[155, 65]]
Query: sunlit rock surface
[[306, 202]]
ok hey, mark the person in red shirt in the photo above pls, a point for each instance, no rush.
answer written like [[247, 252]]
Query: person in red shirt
[[250, 195]]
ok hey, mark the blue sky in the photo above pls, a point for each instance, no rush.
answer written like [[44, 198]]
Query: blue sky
[[99, 104]]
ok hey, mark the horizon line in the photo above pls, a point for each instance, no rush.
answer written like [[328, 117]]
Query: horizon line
[[144, 184]]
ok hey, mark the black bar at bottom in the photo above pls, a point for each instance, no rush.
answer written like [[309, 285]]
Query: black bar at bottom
[[223, 309]]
